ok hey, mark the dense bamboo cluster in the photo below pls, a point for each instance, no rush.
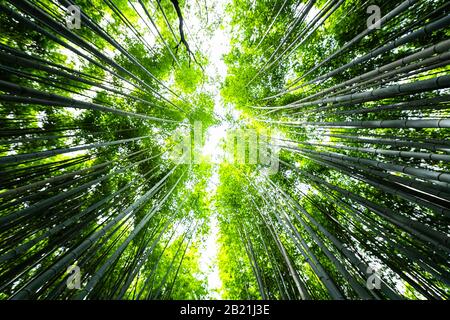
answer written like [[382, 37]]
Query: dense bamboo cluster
[[93, 187], [364, 180], [359, 209]]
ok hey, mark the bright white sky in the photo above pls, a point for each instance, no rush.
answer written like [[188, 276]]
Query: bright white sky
[[214, 47]]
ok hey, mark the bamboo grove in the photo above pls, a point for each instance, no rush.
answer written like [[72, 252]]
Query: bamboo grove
[[91, 177]]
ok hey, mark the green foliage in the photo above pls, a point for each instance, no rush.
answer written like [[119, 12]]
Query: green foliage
[[89, 119]]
